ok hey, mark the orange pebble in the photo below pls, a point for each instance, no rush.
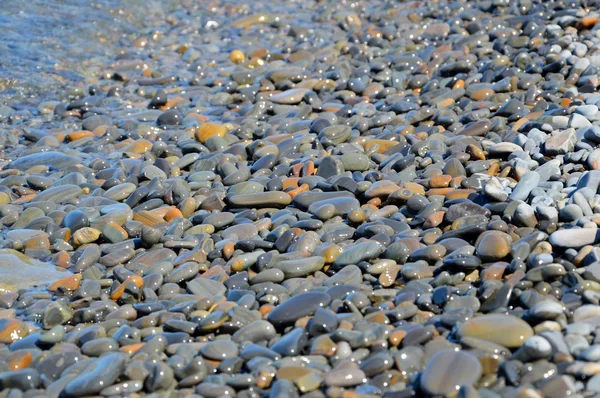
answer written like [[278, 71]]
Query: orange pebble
[[290, 182], [440, 181], [228, 250], [296, 169], [587, 23], [147, 218], [565, 102], [375, 202], [173, 213], [300, 189], [71, 283], [131, 348], [62, 258], [459, 194], [494, 169], [308, 169], [237, 56], [77, 135], [439, 191], [369, 206], [482, 94], [19, 360], [118, 292], [446, 103], [519, 123], [459, 84], [266, 309]]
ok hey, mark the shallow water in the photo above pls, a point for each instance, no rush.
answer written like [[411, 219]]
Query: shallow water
[[49, 45]]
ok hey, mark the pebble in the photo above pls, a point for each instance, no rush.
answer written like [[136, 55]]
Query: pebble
[[304, 304], [97, 375], [448, 370], [505, 330]]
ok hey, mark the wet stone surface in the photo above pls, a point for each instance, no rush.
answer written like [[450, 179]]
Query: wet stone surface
[[283, 199]]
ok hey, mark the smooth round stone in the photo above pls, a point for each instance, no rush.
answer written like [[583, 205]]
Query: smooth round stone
[[334, 135], [305, 199], [255, 331], [53, 365], [120, 192], [95, 121], [75, 220], [219, 350], [345, 377], [574, 237], [114, 233], [21, 379], [206, 287], [546, 310], [240, 232], [325, 212], [301, 267], [291, 343], [586, 312], [296, 307], [246, 187], [355, 162], [97, 375], [59, 194], [535, 348], [219, 220], [342, 206], [493, 246], [55, 160], [526, 184], [359, 252], [12, 330], [376, 364], [53, 336], [447, 370], [505, 330], [96, 348], [570, 213], [289, 97]]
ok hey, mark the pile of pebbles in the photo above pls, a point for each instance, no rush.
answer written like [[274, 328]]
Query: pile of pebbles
[[341, 199]]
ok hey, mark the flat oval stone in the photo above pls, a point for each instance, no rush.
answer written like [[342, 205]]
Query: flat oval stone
[[289, 97], [505, 330], [97, 375], [12, 330], [256, 331], [54, 160], [357, 253], [59, 194], [447, 370], [301, 267], [575, 237], [120, 192], [260, 200], [219, 350], [342, 206], [345, 377], [304, 304]]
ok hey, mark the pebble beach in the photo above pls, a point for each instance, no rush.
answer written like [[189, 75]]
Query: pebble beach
[[300, 199]]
